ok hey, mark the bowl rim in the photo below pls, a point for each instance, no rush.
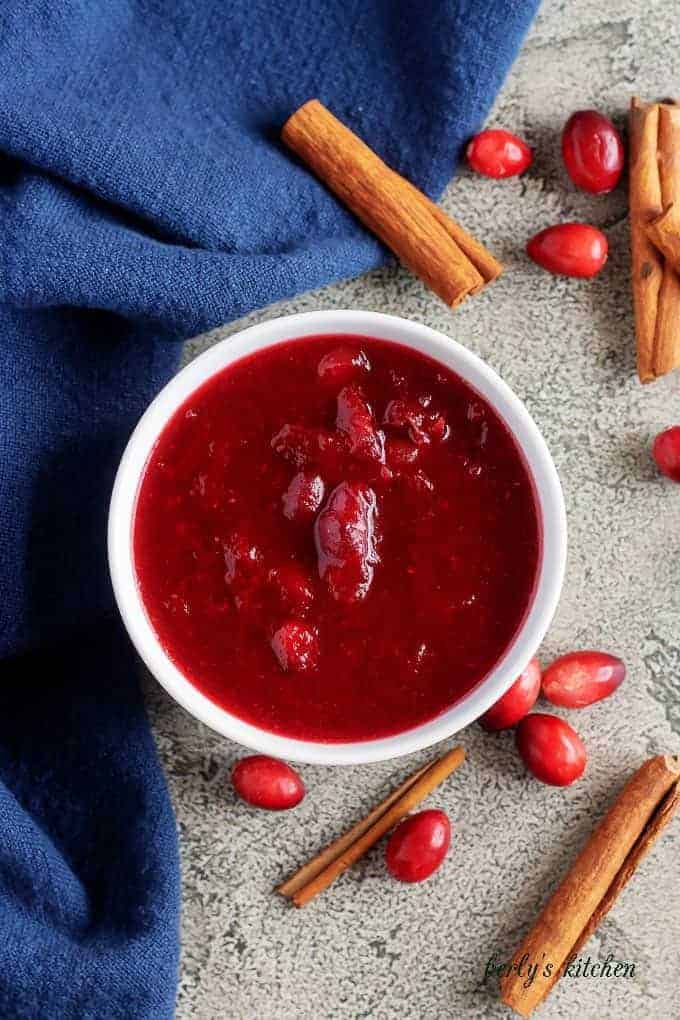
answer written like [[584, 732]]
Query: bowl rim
[[380, 326]]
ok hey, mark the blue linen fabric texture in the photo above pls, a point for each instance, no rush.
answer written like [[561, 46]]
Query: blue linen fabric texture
[[144, 197]]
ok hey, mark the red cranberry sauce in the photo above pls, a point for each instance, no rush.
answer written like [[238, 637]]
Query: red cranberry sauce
[[336, 538]]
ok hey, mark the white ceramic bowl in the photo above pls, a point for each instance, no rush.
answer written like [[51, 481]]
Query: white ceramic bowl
[[478, 375]]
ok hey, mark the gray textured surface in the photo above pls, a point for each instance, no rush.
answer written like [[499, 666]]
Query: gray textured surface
[[370, 947]]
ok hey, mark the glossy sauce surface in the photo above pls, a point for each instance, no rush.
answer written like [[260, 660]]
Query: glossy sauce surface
[[378, 517]]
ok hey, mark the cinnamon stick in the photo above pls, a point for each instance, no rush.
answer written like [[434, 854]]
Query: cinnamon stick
[[602, 869], [664, 233], [481, 258], [654, 185], [309, 871], [451, 262], [667, 338], [335, 859], [645, 203]]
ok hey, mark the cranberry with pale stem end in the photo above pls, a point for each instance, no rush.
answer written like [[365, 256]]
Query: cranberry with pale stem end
[[267, 783], [592, 151], [582, 678], [418, 846], [498, 153], [666, 452], [569, 249], [517, 700], [551, 749]]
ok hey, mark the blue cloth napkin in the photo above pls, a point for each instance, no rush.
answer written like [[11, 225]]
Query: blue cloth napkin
[[143, 198]]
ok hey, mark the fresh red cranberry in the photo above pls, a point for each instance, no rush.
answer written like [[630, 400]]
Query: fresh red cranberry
[[296, 647], [498, 153], [666, 452], [303, 497], [582, 678], [569, 249], [517, 700], [345, 541], [291, 588], [551, 749], [418, 846], [592, 151], [355, 420], [267, 783], [342, 365]]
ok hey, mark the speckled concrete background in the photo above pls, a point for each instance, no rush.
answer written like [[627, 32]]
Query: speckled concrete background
[[370, 947]]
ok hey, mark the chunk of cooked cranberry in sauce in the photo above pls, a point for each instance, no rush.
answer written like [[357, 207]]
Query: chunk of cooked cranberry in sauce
[[398, 413], [401, 454], [243, 560], [300, 445], [355, 420], [296, 647], [419, 482], [423, 424], [306, 447], [244, 572], [303, 497], [345, 541], [437, 428], [342, 365], [291, 589]]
